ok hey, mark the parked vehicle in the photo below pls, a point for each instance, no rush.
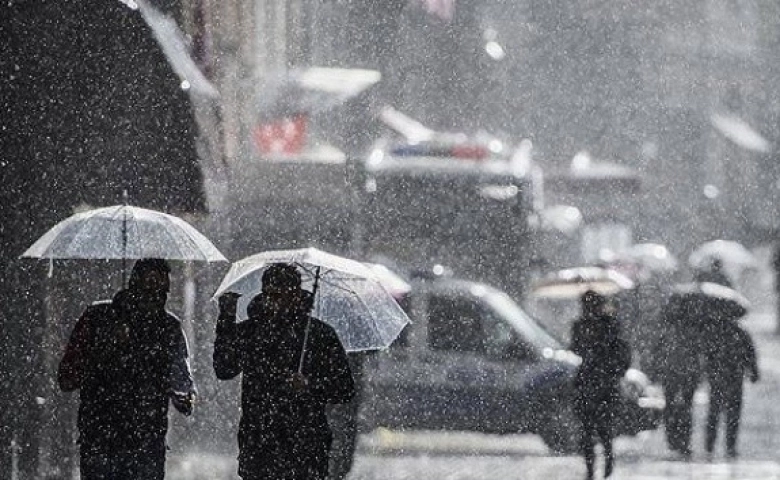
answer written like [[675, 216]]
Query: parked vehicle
[[474, 360], [467, 204]]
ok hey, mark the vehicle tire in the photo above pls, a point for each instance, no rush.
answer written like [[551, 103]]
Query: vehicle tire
[[562, 431]]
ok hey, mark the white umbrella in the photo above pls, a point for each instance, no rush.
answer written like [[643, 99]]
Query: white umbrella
[[123, 232], [349, 296], [733, 255], [573, 282]]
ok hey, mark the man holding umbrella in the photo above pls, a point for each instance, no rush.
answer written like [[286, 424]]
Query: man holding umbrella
[[127, 357], [293, 365]]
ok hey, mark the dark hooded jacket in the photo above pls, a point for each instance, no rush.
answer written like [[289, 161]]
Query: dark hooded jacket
[[278, 424], [605, 359], [126, 364]]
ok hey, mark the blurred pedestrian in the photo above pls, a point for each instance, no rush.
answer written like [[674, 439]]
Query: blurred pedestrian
[[605, 359], [731, 356], [127, 357], [292, 367], [680, 367]]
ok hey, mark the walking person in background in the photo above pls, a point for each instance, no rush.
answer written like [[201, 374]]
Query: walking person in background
[[128, 357], [292, 367], [680, 367], [731, 356], [605, 359]]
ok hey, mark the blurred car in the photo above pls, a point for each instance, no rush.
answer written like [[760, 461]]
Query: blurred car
[[474, 360]]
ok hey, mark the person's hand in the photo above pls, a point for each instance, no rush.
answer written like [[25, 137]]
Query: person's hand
[[298, 382], [228, 304], [184, 402]]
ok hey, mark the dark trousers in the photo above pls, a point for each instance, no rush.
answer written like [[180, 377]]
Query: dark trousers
[[724, 399], [596, 411], [303, 460], [678, 416], [596, 428], [140, 464]]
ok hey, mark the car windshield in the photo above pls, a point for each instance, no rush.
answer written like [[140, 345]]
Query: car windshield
[[521, 321]]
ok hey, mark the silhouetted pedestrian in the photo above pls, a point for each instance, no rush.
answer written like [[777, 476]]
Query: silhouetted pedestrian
[[680, 355], [128, 357], [284, 432], [730, 356], [605, 359]]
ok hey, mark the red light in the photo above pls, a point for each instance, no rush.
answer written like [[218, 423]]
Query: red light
[[470, 152]]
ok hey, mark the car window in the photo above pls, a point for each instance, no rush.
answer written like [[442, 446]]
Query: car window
[[527, 328], [454, 324]]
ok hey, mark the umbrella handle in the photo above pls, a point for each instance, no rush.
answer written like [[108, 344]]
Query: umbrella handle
[[308, 321], [303, 347]]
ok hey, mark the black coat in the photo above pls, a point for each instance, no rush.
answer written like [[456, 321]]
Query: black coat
[[605, 359], [279, 428], [126, 365], [730, 356]]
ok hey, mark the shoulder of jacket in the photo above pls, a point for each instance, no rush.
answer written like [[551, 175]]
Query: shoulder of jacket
[[99, 308], [324, 328]]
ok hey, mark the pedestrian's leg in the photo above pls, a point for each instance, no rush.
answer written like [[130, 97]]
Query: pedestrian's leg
[[713, 418], [605, 436], [671, 418], [95, 466], [733, 409], [588, 447], [686, 418]]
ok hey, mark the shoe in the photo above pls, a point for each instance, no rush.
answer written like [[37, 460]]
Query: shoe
[[732, 453]]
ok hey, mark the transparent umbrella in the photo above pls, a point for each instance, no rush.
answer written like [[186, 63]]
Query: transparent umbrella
[[123, 232], [349, 295]]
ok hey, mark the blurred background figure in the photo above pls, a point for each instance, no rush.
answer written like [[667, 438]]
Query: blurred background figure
[[605, 359], [730, 356]]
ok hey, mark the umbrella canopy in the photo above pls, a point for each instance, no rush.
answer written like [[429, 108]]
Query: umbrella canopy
[[394, 283], [732, 254], [573, 282], [350, 297], [706, 302], [124, 232]]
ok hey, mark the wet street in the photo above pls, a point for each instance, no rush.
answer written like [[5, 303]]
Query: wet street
[[392, 455]]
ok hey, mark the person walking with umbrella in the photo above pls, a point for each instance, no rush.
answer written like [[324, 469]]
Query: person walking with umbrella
[[730, 356], [292, 367], [128, 358], [605, 359]]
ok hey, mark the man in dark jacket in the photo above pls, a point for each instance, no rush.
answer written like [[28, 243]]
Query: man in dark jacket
[[605, 359], [127, 357], [680, 365], [730, 356], [293, 366]]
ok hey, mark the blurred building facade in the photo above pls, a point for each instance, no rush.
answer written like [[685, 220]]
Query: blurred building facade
[[641, 87]]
